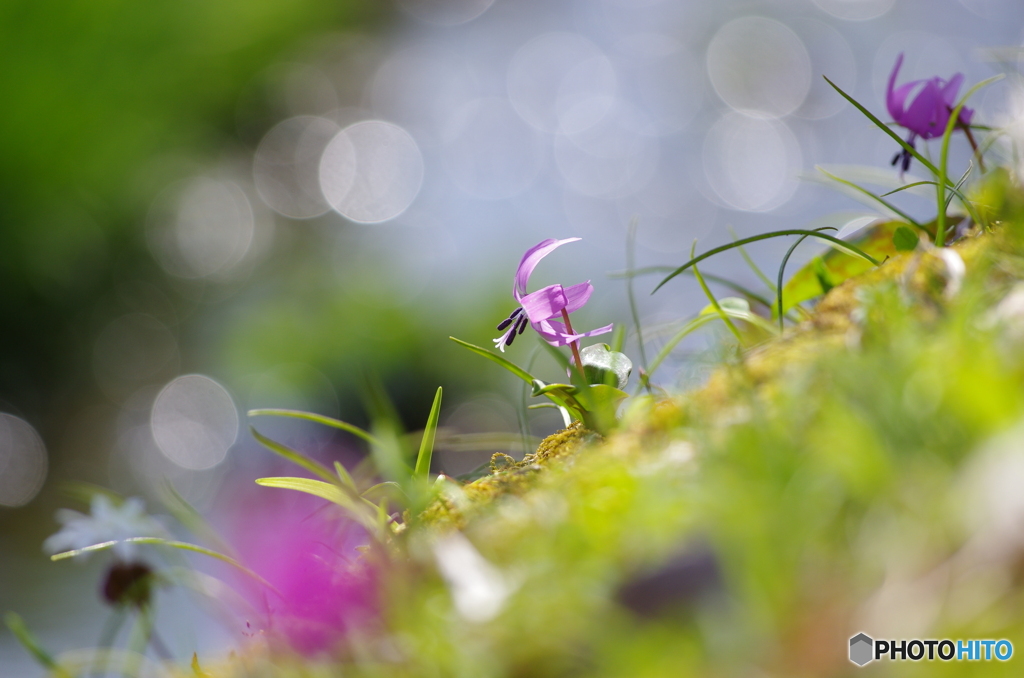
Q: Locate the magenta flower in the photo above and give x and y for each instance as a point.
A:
(928, 114)
(539, 309)
(324, 588)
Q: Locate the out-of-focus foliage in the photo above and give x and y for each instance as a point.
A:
(103, 102)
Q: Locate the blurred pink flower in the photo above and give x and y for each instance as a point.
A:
(928, 114)
(325, 586)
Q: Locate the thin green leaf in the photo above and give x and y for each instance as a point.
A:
(20, 630)
(329, 491)
(751, 264)
(888, 205)
(687, 329)
(764, 236)
(903, 188)
(391, 456)
(188, 516)
(711, 298)
(422, 468)
(954, 116)
(494, 357)
(881, 125)
(380, 488)
(630, 261)
(782, 272)
(710, 277)
(737, 308)
(318, 418)
(618, 338)
(378, 403)
(84, 492)
(159, 541)
(540, 388)
(955, 192)
(295, 457)
(562, 395)
(345, 477)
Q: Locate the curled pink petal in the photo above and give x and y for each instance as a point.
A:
(555, 333)
(895, 105)
(577, 296)
(544, 303)
(951, 89)
(530, 261)
(897, 99)
(600, 330)
(949, 93)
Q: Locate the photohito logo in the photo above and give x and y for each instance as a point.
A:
(864, 649)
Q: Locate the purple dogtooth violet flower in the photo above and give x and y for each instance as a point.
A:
(928, 114)
(539, 309)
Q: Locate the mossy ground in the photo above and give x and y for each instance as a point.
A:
(864, 472)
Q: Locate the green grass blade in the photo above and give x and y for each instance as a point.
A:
(711, 277)
(687, 329)
(291, 455)
(188, 516)
(892, 208)
(618, 338)
(954, 116)
(714, 302)
(329, 491)
(751, 264)
(345, 477)
(318, 418)
(494, 357)
(782, 272)
(903, 188)
(422, 469)
(159, 541)
(765, 236)
(631, 298)
(20, 630)
(954, 191)
(381, 487)
(885, 128)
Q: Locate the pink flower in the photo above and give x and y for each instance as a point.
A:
(324, 586)
(928, 114)
(538, 309)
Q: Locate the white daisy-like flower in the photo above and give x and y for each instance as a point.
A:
(106, 522)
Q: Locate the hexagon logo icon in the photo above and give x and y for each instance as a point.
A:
(861, 649)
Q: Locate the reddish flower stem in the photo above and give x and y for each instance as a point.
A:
(574, 345)
(974, 145)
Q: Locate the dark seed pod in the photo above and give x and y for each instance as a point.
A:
(128, 584)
